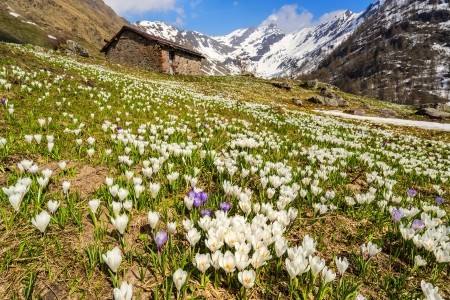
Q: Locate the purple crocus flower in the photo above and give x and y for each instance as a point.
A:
(439, 200)
(197, 202)
(397, 214)
(204, 197)
(205, 212)
(170, 100)
(384, 144)
(204, 124)
(225, 206)
(119, 128)
(3, 101)
(160, 239)
(417, 224)
(411, 193)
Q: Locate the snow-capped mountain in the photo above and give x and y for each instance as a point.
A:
(266, 51)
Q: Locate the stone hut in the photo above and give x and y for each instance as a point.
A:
(133, 47)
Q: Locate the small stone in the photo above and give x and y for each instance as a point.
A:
(298, 102)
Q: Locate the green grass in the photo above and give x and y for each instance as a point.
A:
(215, 114)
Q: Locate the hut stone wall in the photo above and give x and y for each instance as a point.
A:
(132, 49)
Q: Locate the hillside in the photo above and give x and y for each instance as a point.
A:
(40, 22)
(401, 54)
(212, 187)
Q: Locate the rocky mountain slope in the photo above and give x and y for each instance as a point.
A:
(85, 21)
(401, 54)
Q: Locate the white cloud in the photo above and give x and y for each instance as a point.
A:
(291, 18)
(122, 7)
(195, 3)
(178, 22)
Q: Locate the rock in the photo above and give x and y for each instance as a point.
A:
(282, 85)
(341, 101)
(437, 106)
(297, 101)
(387, 113)
(434, 113)
(366, 105)
(74, 48)
(356, 112)
(324, 101)
(327, 92)
(311, 84)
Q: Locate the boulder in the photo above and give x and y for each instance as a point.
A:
(311, 84)
(341, 101)
(75, 49)
(436, 106)
(327, 92)
(366, 105)
(324, 101)
(356, 112)
(434, 113)
(387, 113)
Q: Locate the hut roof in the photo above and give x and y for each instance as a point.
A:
(151, 38)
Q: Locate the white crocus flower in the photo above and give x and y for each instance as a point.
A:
(120, 223)
(41, 221)
(228, 262)
(124, 293)
(247, 278)
(154, 189)
(193, 236)
(47, 173)
(128, 205)
(42, 181)
(419, 261)
(65, 186)
(52, 206)
(188, 224)
(122, 194)
(341, 264)
(113, 259)
(172, 227)
(202, 262)
(93, 205)
(179, 278)
(109, 181)
(90, 152)
(62, 165)
(138, 189)
(327, 275)
(15, 200)
(116, 207)
(153, 218)
(317, 264)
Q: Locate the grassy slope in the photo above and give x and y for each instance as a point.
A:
(62, 261)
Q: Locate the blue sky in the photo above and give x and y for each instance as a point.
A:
(220, 17)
